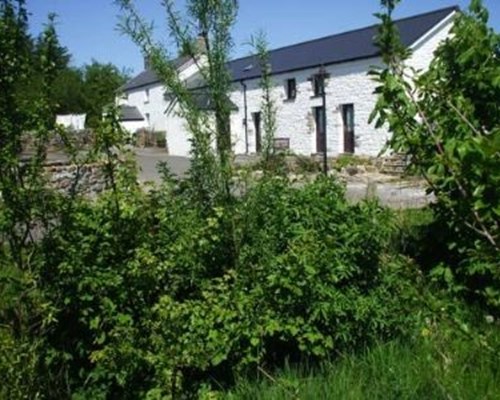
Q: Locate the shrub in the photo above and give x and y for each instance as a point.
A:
(348, 160)
(161, 139)
(310, 277)
(446, 120)
(305, 164)
(149, 294)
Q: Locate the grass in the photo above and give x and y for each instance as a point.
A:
(421, 370)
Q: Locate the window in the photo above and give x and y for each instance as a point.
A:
(146, 96)
(318, 85)
(148, 119)
(291, 89)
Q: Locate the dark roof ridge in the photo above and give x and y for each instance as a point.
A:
(451, 8)
(412, 28)
(148, 76)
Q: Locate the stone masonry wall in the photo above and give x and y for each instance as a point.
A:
(61, 176)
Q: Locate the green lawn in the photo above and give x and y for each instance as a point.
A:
(422, 370)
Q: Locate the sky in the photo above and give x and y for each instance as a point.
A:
(88, 28)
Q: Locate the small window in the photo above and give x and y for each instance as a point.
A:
(146, 96)
(148, 119)
(291, 89)
(318, 85)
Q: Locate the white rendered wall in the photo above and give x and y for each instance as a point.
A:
(423, 50)
(155, 107)
(178, 135)
(132, 126)
(348, 84)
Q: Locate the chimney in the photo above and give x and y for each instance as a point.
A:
(200, 45)
(147, 62)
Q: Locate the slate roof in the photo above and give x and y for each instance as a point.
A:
(201, 99)
(129, 113)
(349, 46)
(149, 77)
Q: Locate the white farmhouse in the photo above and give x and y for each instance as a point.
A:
(346, 58)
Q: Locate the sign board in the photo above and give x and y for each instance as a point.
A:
(281, 144)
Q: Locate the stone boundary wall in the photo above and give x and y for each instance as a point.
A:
(62, 174)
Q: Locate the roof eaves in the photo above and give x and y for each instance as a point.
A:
(181, 64)
(451, 10)
(143, 85)
(312, 66)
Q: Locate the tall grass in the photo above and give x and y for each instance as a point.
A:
(425, 369)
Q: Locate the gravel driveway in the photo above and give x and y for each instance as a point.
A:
(394, 194)
(149, 158)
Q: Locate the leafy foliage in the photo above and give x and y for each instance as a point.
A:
(211, 23)
(175, 291)
(100, 85)
(69, 89)
(269, 108)
(446, 120)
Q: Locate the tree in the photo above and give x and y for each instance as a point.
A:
(269, 108)
(68, 91)
(211, 22)
(15, 48)
(101, 82)
(48, 43)
(447, 120)
(50, 61)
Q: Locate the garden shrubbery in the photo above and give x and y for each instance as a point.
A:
(176, 292)
(155, 297)
(146, 294)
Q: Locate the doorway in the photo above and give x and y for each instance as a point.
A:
(348, 124)
(319, 118)
(258, 131)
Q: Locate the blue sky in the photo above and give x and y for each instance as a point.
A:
(88, 28)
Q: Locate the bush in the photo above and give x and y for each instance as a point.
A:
(160, 294)
(150, 294)
(446, 120)
(348, 160)
(305, 164)
(161, 139)
(310, 277)
(19, 366)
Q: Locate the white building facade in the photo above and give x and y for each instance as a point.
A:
(349, 92)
